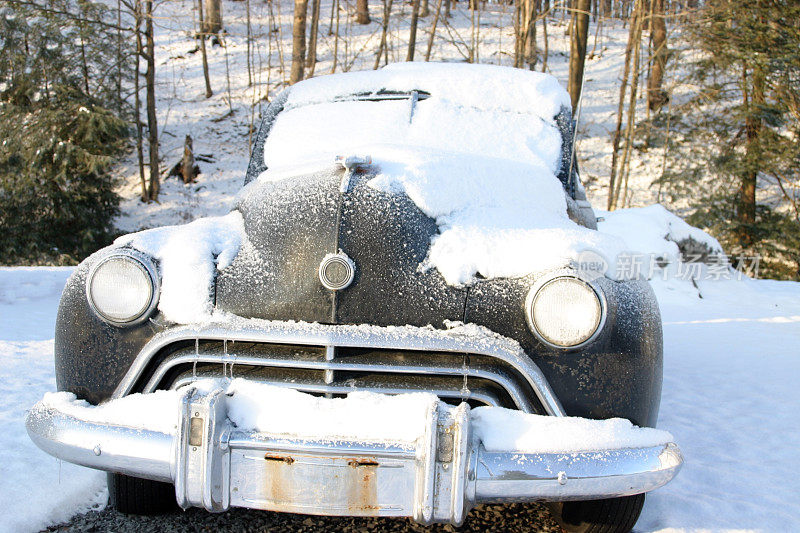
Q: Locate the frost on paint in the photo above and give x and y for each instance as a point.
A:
(189, 257)
(479, 155)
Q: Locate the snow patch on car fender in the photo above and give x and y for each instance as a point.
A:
(505, 429)
(189, 256)
(156, 411)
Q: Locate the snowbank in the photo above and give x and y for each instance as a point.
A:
(653, 230)
(36, 490)
(189, 257)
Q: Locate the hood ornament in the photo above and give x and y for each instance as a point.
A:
(337, 271)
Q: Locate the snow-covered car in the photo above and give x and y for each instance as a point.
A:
(417, 237)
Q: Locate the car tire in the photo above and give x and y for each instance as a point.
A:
(615, 515)
(132, 495)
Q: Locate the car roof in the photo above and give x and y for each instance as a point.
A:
(484, 87)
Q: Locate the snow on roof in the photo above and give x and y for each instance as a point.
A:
(480, 155)
(485, 87)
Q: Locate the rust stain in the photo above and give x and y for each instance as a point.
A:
(282, 458)
(362, 462)
(362, 486)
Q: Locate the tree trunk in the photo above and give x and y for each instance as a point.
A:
(362, 12)
(249, 45)
(424, 10)
(544, 37)
(311, 60)
(203, 53)
(214, 16)
(152, 119)
(137, 99)
(612, 180)
(577, 53)
(298, 41)
(529, 48)
(187, 163)
(747, 188)
(656, 95)
(383, 47)
(336, 38)
(433, 31)
(412, 36)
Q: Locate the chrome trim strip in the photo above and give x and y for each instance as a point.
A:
(507, 477)
(111, 447)
(406, 338)
(508, 385)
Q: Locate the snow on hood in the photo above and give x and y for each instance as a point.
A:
(497, 218)
(480, 156)
(189, 255)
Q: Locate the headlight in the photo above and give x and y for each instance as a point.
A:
(122, 288)
(565, 311)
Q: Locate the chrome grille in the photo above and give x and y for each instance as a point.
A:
(478, 379)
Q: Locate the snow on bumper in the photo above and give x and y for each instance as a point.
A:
(422, 459)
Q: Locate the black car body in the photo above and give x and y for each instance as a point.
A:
(291, 225)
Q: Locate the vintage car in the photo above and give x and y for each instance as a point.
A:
(416, 229)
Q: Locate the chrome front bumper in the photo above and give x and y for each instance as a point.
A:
(448, 470)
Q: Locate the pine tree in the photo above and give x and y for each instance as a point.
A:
(735, 145)
(62, 119)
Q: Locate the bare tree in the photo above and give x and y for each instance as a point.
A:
(362, 12)
(214, 16)
(656, 95)
(152, 119)
(412, 35)
(424, 10)
(525, 34)
(433, 31)
(577, 52)
(382, 47)
(203, 53)
(311, 56)
(138, 17)
(336, 39)
(618, 165)
(298, 41)
(249, 45)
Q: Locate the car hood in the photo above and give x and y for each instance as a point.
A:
(293, 223)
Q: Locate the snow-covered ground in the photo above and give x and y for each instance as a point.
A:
(36, 490)
(730, 399)
(184, 110)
